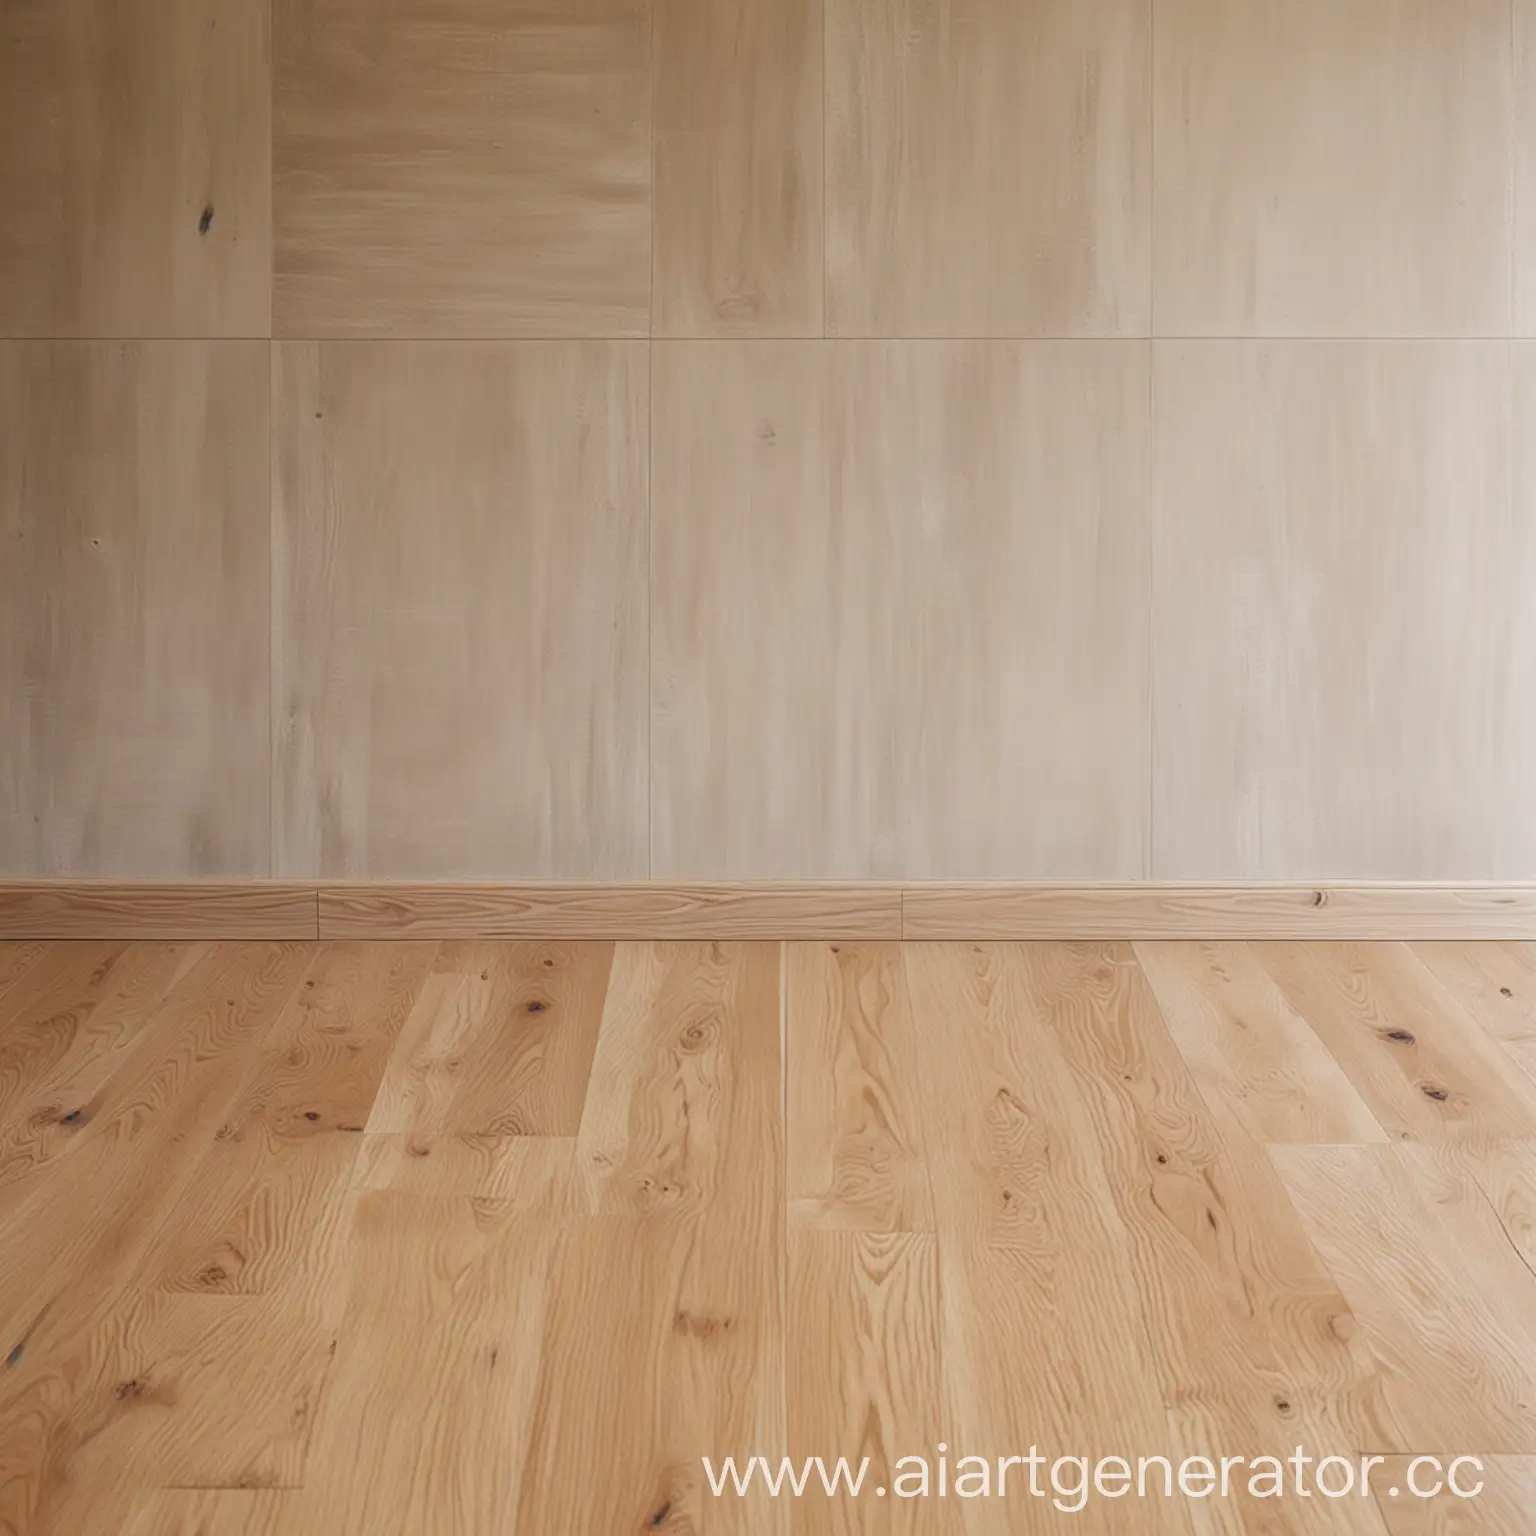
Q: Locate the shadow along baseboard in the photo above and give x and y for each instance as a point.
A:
(779, 910)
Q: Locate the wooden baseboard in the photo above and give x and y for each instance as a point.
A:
(783, 910)
(100, 909)
(618, 910)
(1261, 910)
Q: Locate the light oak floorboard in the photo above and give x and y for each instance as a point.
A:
(262, 1213)
(61, 1281)
(1250, 1050)
(532, 1171)
(17, 958)
(1505, 1507)
(1496, 985)
(1446, 1305)
(1037, 1292)
(1250, 1335)
(54, 1062)
(49, 999)
(863, 1374)
(679, 1271)
(852, 1085)
(345, 1239)
(525, 1072)
(212, 1512)
(462, 1278)
(1424, 1068)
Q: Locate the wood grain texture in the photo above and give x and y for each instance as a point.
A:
(464, 1279)
(17, 958)
(788, 910)
(504, 1049)
(135, 168)
(212, 1512)
(851, 1091)
(460, 614)
(1250, 1337)
(1026, 1223)
(262, 1216)
(692, 1308)
(145, 1130)
(193, 910)
(1506, 1506)
(67, 977)
(737, 215)
(532, 1171)
(1337, 555)
(41, 1021)
(1421, 1064)
(140, 1140)
(1505, 1171)
(422, 1078)
(1496, 985)
(1445, 1304)
(613, 910)
(224, 1311)
(204, 1391)
(763, 690)
(60, 1048)
(988, 168)
(1238, 910)
(1520, 637)
(133, 512)
(1524, 39)
(688, 1068)
(840, 534)
(862, 1374)
(1328, 170)
(461, 170)
(1249, 1049)
(679, 1267)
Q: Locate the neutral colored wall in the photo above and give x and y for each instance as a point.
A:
(1060, 439)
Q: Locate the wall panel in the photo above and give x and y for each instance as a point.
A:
(1332, 169)
(133, 609)
(988, 167)
(460, 619)
(1344, 662)
(466, 168)
(1524, 42)
(135, 168)
(738, 148)
(1089, 441)
(900, 610)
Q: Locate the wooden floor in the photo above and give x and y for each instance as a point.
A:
(505, 1237)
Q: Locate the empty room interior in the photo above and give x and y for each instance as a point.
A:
(767, 767)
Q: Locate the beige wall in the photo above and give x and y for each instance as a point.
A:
(1060, 439)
